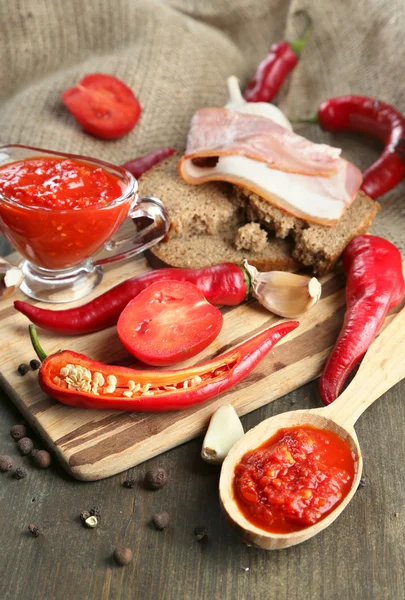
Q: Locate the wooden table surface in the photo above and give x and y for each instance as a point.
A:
(361, 556)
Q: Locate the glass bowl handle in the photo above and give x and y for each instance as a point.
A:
(149, 208)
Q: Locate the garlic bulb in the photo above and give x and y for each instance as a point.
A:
(224, 430)
(237, 103)
(10, 278)
(284, 294)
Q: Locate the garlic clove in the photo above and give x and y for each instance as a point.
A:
(224, 430)
(10, 278)
(237, 103)
(284, 294)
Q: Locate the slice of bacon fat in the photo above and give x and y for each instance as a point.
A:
(307, 180)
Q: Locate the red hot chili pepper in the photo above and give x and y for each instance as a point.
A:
(375, 284)
(274, 69)
(140, 165)
(224, 284)
(96, 385)
(376, 118)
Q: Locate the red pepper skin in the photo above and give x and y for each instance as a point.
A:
(224, 284)
(271, 73)
(375, 284)
(376, 118)
(140, 165)
(241, 361)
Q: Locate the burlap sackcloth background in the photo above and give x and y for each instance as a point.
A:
(176, 56)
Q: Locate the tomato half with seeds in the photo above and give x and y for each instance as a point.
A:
(103, 105)
(168, 322)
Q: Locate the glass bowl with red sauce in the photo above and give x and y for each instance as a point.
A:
(59, 210)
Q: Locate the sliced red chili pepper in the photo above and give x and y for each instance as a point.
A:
(375, 284)
(76, 380)
(225, 284)
(138, 166)
(103, 105)
(375, 118)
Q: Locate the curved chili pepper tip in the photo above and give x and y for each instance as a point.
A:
(40, 352)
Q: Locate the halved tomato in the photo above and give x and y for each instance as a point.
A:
(168, 322)
(103, 105)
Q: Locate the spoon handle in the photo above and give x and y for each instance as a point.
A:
(382, 367)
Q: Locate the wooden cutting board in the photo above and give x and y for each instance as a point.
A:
(93, 444)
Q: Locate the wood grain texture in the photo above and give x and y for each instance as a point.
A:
(93, 444)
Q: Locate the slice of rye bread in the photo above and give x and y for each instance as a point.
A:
(316, 246)
(205, 209)
(206, 250)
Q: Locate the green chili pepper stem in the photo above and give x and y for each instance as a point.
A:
(248, 282)
(298, 45)
(311, 121)
(35, 342)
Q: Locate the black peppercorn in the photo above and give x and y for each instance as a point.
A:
(200, 533)
(41, 458)
(122, 556)
(20, 473)
(25, 445)
(34, 530)
(155, 478)
(129, 483)
(95, 512)
(6, 464)
(161, 520)
(23, 369)
(18, 431)
(362, 482)
(84, 516)
(35, 364)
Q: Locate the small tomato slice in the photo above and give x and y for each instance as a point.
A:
(103, 105)
(168, 322)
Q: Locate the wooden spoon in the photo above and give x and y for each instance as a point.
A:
(382, 367)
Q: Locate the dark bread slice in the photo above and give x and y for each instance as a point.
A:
(205, 209)
(315, 246)
(206, 250)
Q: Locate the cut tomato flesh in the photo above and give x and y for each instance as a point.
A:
(168, 322)
(103, 105)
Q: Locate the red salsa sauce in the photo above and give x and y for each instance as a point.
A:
(65, 226)
(294, 479)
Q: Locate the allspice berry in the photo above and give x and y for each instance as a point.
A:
(35, 364)
(18, 431)
(25, 445)
(161, 520)
(122, 556)
(20, 473)
(155, 478)
(41, 458)
(23, 369)
(6, 464)
(34, 530)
